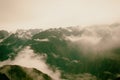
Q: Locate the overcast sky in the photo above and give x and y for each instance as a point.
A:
(57, 13)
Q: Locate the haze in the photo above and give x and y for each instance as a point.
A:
(15, 14)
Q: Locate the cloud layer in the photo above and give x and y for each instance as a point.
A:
(97, 39)
(28, 58)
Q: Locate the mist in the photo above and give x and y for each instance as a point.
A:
(27, 58)
(97, 39)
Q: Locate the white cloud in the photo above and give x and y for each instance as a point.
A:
(97, 38)
(42, 40)
(28, 58)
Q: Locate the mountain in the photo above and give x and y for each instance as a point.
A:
(3, 35)
(10, 46)
(27, 34)
(80, 53)
(64, 49)
(14, 72)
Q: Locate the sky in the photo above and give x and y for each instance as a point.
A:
(25, 14)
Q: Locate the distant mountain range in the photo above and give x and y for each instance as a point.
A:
(80, 53)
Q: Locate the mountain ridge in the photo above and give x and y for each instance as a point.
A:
(15, 72)
(90, 51)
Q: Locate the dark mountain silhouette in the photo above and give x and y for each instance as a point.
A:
(14, 72)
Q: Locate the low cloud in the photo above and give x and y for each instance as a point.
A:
(97, 39)
(102, 36)
(28, 58)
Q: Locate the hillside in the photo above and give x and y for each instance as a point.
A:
(14, 72)
(90, 53)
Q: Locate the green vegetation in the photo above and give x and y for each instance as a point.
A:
(15, 72)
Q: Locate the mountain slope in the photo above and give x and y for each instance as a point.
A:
(14, 72)
(77, 52)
